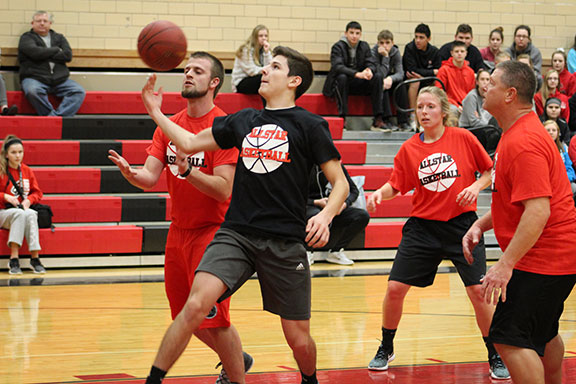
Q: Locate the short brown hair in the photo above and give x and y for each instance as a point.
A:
(519, 76)
(298, 65)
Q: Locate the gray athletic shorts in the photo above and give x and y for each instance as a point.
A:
(282, 268)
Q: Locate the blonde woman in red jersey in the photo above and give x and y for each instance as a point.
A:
(16, 215)
(440, 165)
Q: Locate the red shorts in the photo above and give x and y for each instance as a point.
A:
(184, 250)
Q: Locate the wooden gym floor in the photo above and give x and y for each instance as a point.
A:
(104, 326)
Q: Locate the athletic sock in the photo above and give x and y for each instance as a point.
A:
(156, 376)
(388, 338)
(489, 346)
(309, 379)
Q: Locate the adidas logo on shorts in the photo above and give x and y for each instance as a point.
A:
(300, 267)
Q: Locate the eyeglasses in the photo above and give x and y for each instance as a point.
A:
(522, 37)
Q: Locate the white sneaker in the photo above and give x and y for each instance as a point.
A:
(310, 257)
(338, 258)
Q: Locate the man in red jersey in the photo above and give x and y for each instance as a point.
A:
(534, 220)
(200, 186)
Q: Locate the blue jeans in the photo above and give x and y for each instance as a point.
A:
(37, 94)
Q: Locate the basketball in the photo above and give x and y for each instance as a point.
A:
(162, 45)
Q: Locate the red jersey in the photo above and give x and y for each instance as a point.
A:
(458, 81)
(527, 166)
(192, 208)
(28, 183)
(439, 171)
(564, 108)
(567, 83)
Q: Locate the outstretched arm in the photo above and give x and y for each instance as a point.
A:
(145, 177)
(318, 230)
(186, 141)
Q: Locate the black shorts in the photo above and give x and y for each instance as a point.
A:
(529, 317)
(282, 267)
(425, 243)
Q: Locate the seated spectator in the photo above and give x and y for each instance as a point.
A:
(473, 55)
(523, 44)
(43, 54)
(567, 84)
(473, 115)
(550, 89)
(490, 52)
(420, 60)
(553, 130)
(572, 58)
(501, 57)
(250, 58)
(5, 110)
(345, 226)
(15, 213)
(525, 58)
(552, 112)
(389, 64)
(353, 71)
(457, 76)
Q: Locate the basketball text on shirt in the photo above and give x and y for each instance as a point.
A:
(437, 172)
(196, 160)
(265, 148)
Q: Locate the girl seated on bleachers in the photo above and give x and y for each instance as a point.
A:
(550, 89)
(250, 58)
(553, 130)
(473, 115)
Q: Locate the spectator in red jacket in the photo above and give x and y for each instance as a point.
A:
(567, 84)
(16, 214)
(550, 89)
(457, 76)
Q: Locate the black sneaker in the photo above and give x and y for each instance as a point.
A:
(223, 377)
(10, 111)
(382, 358)
(498, 370)
(14, 267)
(37, 266)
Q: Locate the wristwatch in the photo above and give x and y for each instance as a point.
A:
(185, 174)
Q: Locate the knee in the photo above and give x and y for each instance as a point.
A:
(475, 293)
(34, 92)
(194, 309)
(300, 344)
(342, 80)
(396, 291)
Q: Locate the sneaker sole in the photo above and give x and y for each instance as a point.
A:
(38, 273)
(333, 261)
(492, 375)
(390, 359)
(14, 273)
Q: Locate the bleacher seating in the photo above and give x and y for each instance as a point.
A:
(98, 213)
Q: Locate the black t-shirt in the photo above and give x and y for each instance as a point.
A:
(277, 151)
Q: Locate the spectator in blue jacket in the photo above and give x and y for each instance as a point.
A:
(43, 54)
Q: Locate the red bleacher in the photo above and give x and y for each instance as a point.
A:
(92, 202)
(111, 103)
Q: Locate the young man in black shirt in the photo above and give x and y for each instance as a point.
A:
(473, 55)
(420, 60)
(353, 72)
(265, 228)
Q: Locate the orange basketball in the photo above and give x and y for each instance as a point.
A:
(162, 45)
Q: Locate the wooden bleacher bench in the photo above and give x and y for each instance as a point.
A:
(129, 59)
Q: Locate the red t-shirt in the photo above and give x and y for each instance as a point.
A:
(29, 182)
(526, 166)
(192, 208)
(439, 171)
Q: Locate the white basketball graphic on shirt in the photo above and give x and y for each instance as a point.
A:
(197, 160)
(438, 172)
(265, 149)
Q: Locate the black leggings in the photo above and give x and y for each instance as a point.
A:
(344, 227)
